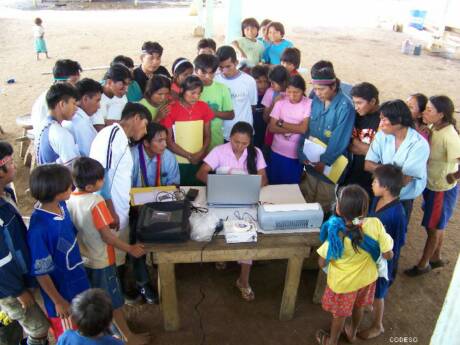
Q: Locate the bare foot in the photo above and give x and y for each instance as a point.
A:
(368, 308)
(139, 339)
(351, 337)
(371, 333)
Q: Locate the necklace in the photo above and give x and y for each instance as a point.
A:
(188, 109)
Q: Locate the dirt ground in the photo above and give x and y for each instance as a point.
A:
(359, 54)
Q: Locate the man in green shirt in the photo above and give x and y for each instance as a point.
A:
(217, 96)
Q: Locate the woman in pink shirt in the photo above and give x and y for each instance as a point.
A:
(288, 120)
(238, 156)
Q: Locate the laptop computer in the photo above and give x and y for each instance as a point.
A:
(233, 190)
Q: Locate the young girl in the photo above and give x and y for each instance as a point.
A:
(264, 30)
(288, 120)
(190, 118)
(181, 69)
(39, 34)
(440, 194)
(156, 97)
(250, 49)
(417, 103)
(272, 53)
(237, 156)
(352, 245)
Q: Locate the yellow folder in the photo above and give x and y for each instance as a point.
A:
(189, 136)
(143, 195)
(333, 172)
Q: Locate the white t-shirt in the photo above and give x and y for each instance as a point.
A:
(243, 89)
(82, 130)
(111, 149)
(38, 31)
(39, 113)
(110, 109)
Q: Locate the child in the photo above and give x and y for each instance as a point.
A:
(441, 192)
(387, 184)
(206, 46)
(251, 50)
(150, 64)
(92, 313)
(92, 218)
(272, 53)
(242, 88)
(80, 126)
(417, 103)
(16, 300)
(216, 94)
(54, 251)
(116, 82)
(352, 244)
(156, 97)
(181, 69)
(39, 34)
(264, 30)
(55, 144)
(134, 93)
(189, 109)
(290, 59)
(260, 74)
(288, 120)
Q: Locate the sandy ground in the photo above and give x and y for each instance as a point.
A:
(368, 53)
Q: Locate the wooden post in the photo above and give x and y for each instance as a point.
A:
(209, 25)
(168, 298)
(233, 30)
(291, 284)
(321, 281)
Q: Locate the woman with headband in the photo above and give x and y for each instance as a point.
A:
(331, 121)
(181, 69)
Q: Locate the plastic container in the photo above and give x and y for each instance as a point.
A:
(418, 19)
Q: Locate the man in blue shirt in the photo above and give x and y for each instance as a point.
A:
(331, 121)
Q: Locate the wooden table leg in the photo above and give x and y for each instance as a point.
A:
(321, 281)
(22, 144)
(168, 299)
(291, 285)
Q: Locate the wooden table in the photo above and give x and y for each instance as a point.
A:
(295, 247)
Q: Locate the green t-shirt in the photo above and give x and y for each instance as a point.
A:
(151, 108)
(253, 50)
(134, 93)
(218, 97)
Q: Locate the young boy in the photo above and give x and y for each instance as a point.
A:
(387, 184)
(92, 313)
(243, 88)
(15, 298)
(260, 74)
(55, 144)
(55, 254)
(272, 53)
(206, 46)
(80, 126)
(92, 219)
(134, 93)
(150, 64)
(250, 49)
(64, 71)
(216, 94)
(290, 59)
(113, 98)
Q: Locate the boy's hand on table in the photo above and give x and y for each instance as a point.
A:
(62, 309)
(26, 299)
(137, 250)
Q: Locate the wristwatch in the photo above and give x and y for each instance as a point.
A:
(279, 123)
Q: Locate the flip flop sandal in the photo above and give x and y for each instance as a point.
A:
(416, 271)
(322, 337)
(439, 263)
(246, 293)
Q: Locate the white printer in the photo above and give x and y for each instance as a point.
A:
(290, 216)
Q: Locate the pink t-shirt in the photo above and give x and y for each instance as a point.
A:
(286, 144)
(267, 100)
(222, 157)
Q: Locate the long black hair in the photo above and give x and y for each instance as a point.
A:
(444, 105)
(251, 160)
(353, 204)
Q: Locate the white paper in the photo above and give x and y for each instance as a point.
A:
(281, 194)
(313, 151)
(291, 207)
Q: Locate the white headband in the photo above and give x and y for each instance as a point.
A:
(178, 64)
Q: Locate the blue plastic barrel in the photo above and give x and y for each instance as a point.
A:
(418, 19)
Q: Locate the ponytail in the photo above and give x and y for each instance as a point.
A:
(355, 234)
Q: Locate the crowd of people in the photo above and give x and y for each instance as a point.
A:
(239, 109)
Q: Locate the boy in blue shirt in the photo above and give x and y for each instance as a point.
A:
(15, 298)
(54, 251)
(386, 186)
(92, 313)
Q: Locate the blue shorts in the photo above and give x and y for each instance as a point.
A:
(381, 288)
(107, 279)
(284, 170)
(438, 207)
